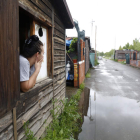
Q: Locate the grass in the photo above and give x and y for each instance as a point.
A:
(65, 125)
(88, 74)
(107, 57)
(96, 62)
(123, 62)
(116, 60)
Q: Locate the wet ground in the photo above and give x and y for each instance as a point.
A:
(110, 104)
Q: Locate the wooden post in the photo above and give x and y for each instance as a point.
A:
(14, 123)
(53, 50)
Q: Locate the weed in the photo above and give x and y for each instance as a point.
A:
(96, 62)
(28, 133)
(65, 125)
(88, 74)
(123, 62)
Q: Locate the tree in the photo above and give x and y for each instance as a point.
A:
(120, 48)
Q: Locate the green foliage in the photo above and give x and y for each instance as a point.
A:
(100, 53)
(134, 46)
(96, 62)
(28, 133)
(123, 62)
(88, 74)
(73, 45)
(116, 60)
(120, 48)
(108, 54)
(82, 86)
(65, 125)
(75, 57)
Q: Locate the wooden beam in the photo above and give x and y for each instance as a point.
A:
(53, 50)
(15, 123)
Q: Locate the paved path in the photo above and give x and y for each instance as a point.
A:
(114, 107)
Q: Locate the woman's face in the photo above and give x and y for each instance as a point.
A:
(40, 55)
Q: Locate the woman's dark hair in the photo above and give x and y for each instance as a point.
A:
(32, 45)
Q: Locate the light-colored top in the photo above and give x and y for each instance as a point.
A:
(25, 70)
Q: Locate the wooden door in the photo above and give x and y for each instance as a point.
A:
(9, 55)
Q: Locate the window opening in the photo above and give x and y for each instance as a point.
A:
(43, 71)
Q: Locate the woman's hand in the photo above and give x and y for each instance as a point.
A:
(38, 64)
(26, 85)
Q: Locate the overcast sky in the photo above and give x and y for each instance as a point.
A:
(118, 19)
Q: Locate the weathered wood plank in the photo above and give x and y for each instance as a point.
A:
(59, 34)
(58, 88)
(59, 58)
(44, 8)
(40, 116)
(57, 45)
(58, 85)
(57, 96)
(37, 125)
(59, 63)
(59, 103)
(58, 71)
(59, 77)
(7, 134)
(59, 82)
(59, 40)
(43, 128)
(59, 67)
(58, 21)
(48, 4)
(9, 55)
(61, 52)
(31, 98)
(34, 10)
(59, 28)
(45, 100)
(5, 121)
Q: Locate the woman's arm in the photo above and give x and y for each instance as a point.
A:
(26, 85)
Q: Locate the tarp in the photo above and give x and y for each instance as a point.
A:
(68, 42)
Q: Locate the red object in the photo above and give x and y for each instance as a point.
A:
(74, 60)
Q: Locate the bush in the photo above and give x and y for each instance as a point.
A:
(73, 45)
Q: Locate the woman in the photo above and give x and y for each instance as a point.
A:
(30, 62)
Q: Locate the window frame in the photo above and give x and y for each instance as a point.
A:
(32, 32)
(33, 20)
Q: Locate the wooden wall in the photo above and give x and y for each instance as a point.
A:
(9, 55)
(35, 105)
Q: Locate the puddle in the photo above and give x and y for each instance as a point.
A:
(109, 117)
(105, 72)
(120, 77)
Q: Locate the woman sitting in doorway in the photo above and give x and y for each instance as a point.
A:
(30, 62)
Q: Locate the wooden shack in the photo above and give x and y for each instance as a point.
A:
(120, 55)
(18, 20)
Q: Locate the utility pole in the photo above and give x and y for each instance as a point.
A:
(91, 31)
(95, 40)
